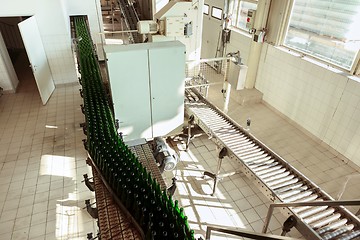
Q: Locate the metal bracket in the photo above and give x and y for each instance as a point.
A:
(82, 108)
(88, 183)
(84, 128)
(288, 224)
(172, 188)
(85, 144)
(92, 211)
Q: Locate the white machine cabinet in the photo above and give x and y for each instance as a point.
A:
(147, 87)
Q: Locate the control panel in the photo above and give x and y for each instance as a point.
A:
(250, 19)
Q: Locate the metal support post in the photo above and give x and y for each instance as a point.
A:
(226, 91)
(216, 176)
(190, 122)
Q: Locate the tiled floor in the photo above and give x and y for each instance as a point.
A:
(41, 165)
(42, 162)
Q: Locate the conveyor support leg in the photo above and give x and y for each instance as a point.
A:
(288, 224)
(190, 122)
(215, 176)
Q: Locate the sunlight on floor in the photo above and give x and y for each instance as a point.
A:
(194, 194)
(58, 166)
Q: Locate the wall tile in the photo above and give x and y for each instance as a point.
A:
(322, 101)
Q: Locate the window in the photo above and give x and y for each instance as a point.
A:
(239, 10)
(160, 4)
(206, 9)
(328, 30)
(216, 13)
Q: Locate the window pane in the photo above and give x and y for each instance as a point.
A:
(160, 4)
(233, 9)
(206, 9)
(240, 20)
(326, 29)
(216, 12)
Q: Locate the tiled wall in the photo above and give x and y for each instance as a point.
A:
(324, 102)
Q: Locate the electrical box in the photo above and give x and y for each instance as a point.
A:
(147, 87)
(188, 29)
(174, 26)
(250, 19)
(146, 27)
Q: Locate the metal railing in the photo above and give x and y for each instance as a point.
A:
(212, 71)
(306, 204)
(243, 233)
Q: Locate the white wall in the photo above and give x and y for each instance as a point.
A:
(211, 31)
(8, 78)
(92, 9)
(53, 22)
(324, 102)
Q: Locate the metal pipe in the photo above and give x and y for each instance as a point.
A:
(310, 204)
(211, 60)
(203, 85)
(111, 32)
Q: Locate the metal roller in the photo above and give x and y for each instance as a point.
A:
(250, 160)
(331, 227)
(266, 160)
(285, 181)
(324, 221)
(290, 187)
(320, 215)
(349, 236)
(338, 232)
(293, 191)
(265, 175)
(263, 167)
(312, 211)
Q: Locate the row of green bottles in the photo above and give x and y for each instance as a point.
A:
(153, 209)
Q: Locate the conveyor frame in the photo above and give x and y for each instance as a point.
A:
(307, 231)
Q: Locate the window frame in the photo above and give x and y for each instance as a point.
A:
(355, 67)
(208, 9)
(235, 18)
(212, 12)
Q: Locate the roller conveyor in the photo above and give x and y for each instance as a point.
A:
(131, 18)
(275, 177)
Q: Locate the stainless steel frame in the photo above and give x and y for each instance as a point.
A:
(243, 233)
(309, 204)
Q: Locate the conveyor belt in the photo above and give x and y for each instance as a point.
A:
(145, 156)
(131, 18)
(113, 223)
(275, 177)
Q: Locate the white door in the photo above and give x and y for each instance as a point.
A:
(37, 57)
